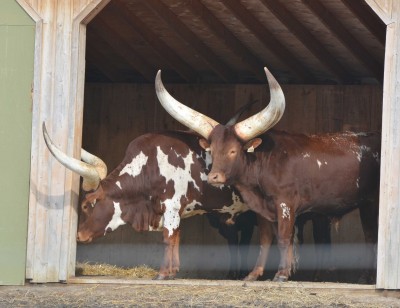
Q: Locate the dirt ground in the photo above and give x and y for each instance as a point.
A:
(194, 293)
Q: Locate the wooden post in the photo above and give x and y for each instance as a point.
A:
(58, 101)
(388, 266)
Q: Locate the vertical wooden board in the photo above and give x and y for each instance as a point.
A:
(376, 108)
(388, 271)
(16, 75)
(357, 113)
(140, 112)
(329, 110)
(245, 94)
(300, 109)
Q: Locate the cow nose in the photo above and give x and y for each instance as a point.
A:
(216, 178)
(82, 239)
(78, 237)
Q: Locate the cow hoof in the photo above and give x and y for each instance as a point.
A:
(161, 277)
(280, 279)
(250, 278)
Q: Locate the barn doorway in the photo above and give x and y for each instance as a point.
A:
(129, 40)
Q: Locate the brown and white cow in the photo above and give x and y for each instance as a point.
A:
(162, 178)
(282, 175)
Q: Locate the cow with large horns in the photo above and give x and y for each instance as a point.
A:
(281, 175)
(162, 178)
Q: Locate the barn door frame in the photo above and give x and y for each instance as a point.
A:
(58, 91)
(388, 262)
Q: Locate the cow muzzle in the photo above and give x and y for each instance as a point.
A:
(81, 237)
(216, 178)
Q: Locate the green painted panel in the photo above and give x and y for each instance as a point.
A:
(11, 14)
(17, 33)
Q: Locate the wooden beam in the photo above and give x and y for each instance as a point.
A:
(307, 38)
(214, 62)
(348, 40)
(368, 18)
(124, 48)
(96, 54)
(268, 39)
(230, 40)
(382, 8)
(118, 9)
(388, 265)
(58, 100)
(367, 290)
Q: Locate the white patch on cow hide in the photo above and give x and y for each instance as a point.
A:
(134, 168)
(181, 178)
(236, 207)
(358, 182)
(118, 183)
(362, 149)
(285, 210)
(306, 155)
(319, 164)
(208, 160)
(190, 210)
(116, 219)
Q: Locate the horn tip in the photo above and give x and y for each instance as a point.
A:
(44, 128)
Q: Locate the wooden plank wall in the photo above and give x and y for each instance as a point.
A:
(114, 114)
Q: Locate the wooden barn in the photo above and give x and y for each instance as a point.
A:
(87, 69)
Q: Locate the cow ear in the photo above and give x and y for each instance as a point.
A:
(252, 144)
(204, 144)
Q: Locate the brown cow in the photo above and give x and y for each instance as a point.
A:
(282, 175)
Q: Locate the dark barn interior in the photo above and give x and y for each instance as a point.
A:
(327, 54)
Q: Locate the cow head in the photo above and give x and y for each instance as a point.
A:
(228, 143)
(97, 209)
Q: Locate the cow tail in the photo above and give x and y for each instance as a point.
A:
(295, 246)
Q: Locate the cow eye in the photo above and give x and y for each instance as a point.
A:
(232, 152)
(84, 207)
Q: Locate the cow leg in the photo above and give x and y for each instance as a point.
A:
(170, 264)
(246, 228)
(285, 234)
(266, 236)
(175, 255)
(369, 222)
(322, 240)
(231, 235)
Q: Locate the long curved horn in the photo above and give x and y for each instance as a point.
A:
(91, 178)
(96, 162)
(266, 118)
(192, 119)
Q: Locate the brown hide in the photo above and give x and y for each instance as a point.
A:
(289, 174)
(147, 183)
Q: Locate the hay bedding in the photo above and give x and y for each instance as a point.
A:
(74, 295)
(100, 269)
(164, 295)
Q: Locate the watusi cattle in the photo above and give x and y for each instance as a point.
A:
(162, 178)
(281, 175)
